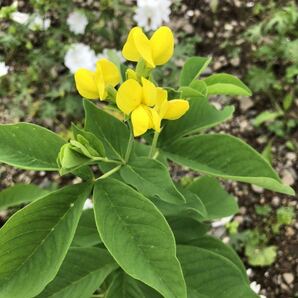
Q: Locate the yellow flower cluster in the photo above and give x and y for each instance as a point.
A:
(138, 97)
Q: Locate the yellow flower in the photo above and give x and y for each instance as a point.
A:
(148, 105)
(170, 110)
(93, 84)
(138, 100)
(155, 51)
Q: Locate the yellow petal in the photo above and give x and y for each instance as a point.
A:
(155, 119)
(129, 50)
(149, 93)
(85, 83)
(161, 102)
(176, 109)
(141, 120)
(101, 86)
(110, 72)
(129, 96)
(162, 45)
(143, 46)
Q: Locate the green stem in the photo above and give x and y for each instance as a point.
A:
(130, 143)
(154, 143)
(109, 173)
(107, 160)
(112, 92)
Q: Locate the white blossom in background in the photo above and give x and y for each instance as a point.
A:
(37, 22)
(77, 22)
(20, 17)
(3, 69)
(256, 288)
(150, 14)
(222, 222)
(106, 53)
(80, 55)
(88, 204)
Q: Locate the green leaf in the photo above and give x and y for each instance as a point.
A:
(216, 200)
(89, 140)
(125, 287)
(86, 233)
(29, 146)
(261, 256)
(227, 157)
(209, 274)
(266, 116)
(144, 246)
(195, 89)
(109, 130)
(186, 229)
(19, 194)
(151, 178)
(201, 115)
(142, 150)
(35, 240)
(81, 273)
(192, 208)
(69, 160)
(226, 84)
(217, 246)
(192, 68)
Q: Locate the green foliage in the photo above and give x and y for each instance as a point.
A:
(35, 241)
(257, 251)
(151, 178)
(81, 273)
(256, 242)
(20, 194)
(146, 235)
(192, 69)
(211, 154)
(284, 216)
(26, 146)
(274, 43)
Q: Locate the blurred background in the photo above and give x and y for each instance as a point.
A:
(43, 42)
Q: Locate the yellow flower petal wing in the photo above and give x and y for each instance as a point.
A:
(176, 109)
(162, 45)
(129, 50)
(149, 93)
(110, 72)
(129, 96)
(143, 47)
(155, 119)
(161, 102)
(86, 84)
(141, 120)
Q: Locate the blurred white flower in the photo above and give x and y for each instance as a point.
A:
(20, 17)
(150, 14)
(108, 53)
(3, 69)
(77, 22)
(37, 22)
(256, 288)
(80, 55)
(88, 204)
(221, 222)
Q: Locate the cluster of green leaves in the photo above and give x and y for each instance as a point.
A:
(146, 236)
(274, 42)
(255, 243)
